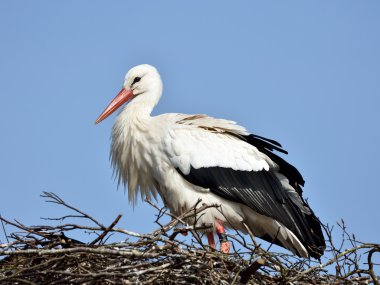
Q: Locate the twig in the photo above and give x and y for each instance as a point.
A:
(4, 231)
(370, 265)
(57, 200)
(105, 232)
(247, 273)
(331, 261)
(102, 251)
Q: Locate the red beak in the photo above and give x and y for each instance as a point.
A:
(123, 96)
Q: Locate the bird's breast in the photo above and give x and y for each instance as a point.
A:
(133, 156)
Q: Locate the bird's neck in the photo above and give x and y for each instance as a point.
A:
(136, 112)
(134, 120)
(141, 107)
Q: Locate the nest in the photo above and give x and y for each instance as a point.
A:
(47, 255)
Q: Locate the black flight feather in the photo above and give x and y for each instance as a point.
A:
(262, 192)
(294, 176)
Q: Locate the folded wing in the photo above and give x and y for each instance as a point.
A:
(242, 168)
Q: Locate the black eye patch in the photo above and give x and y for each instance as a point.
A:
(137, 79)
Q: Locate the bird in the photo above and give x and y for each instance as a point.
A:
(189, 158)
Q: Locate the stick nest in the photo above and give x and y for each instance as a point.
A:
(47, 255)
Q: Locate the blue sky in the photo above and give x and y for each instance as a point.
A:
(305, 73)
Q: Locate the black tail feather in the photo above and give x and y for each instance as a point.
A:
(314, 242)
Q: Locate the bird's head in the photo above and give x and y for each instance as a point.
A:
(142, 85)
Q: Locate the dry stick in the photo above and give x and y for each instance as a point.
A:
(191, 213)
(105, 251)
(251, 235)
(247, 273)
(25, 228)
(69, 227)
(331, 261)
(5, 232)
(278, 231)
(63, 218)
(276, 263)
(334, 250)
(370, 265)
(57, 200)
(176, 220)
(105, 232)
(188, 229)
(196, 218)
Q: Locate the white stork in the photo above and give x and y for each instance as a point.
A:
(184, 158)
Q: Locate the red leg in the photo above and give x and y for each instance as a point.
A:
(211, 241)
(224, 243)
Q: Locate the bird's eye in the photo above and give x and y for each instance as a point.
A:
(137, 79)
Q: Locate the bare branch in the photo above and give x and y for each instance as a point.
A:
(99, 238)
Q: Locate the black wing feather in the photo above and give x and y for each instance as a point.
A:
(294, 176)
(237, 186)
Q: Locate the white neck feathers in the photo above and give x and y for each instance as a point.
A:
(130, 149)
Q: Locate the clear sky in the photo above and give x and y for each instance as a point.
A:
(306, 73)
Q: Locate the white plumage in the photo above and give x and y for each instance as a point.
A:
(176, 155)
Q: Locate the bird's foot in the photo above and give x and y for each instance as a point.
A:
(225, 245)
